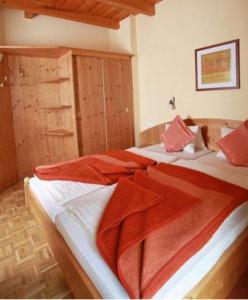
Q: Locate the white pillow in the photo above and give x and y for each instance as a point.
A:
(198, 143)
(223, 132)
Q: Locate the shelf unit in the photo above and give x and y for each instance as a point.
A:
(59, 80)
(59, 132)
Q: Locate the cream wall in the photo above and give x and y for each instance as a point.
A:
(43, 30)
(166, 45)
(120, 40)
(2, 33)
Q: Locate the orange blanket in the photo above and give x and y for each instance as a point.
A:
(155, 223)
(98, 168)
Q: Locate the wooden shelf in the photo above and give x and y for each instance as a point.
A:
(56, 107)
(59, 132)
(59, 80)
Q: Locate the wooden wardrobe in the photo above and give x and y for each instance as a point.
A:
(62, 103)
(105, 107)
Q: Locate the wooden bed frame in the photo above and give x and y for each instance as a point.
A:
(210, 131)
(216, 284)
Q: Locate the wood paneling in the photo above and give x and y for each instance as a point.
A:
(8, 162)
(210, 130)
(91, 105)
(31, 121)
(118, 99)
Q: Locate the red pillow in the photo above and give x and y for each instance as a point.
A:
(177, 136)
(235, 146)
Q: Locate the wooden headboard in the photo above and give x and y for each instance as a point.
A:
(210, 131)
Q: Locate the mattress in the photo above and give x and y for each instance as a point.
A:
(78, 225)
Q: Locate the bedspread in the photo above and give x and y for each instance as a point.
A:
(155, 222)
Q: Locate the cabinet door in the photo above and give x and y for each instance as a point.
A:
(118, 102)
(91, 109)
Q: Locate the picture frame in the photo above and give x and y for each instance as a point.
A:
(217, 67)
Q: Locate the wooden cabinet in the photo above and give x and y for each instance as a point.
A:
(59, 103)
(105, 117)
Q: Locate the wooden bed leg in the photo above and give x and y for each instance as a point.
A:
(26, 189)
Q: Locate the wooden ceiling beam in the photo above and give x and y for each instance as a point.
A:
(27, 5)
(134, 6)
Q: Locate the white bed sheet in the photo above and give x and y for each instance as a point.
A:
(53, 195)
(79, 222)
(219, 168)
(155, 153)
(159, 150)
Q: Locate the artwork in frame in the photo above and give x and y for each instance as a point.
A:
(218, 67)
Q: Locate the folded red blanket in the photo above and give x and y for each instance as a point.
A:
(126, 156)
(155, 223)
(98, 169)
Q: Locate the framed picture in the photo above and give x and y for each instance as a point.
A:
(217, 67)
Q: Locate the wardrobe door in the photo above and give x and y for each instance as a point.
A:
(119, 102)
(91, 108)
(8, 161)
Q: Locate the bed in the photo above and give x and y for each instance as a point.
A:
(78, 269)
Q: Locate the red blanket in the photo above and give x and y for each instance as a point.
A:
(155, 223)
(99, 168)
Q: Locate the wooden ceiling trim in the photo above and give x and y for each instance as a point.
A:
(134, 6)
(94, 53)
(46, 52)
(68, 15)
(56, 52)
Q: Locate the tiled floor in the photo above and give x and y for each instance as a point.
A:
(28, 268)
